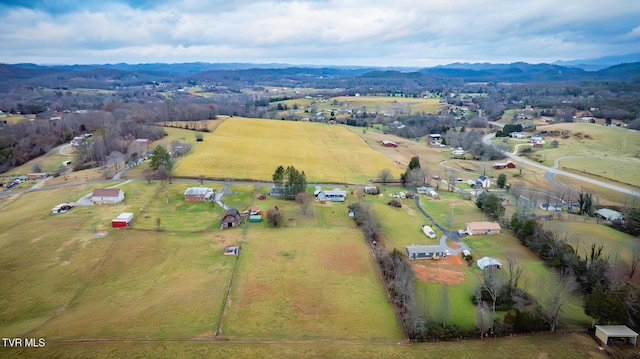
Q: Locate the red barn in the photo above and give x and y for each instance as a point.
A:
(503, 165)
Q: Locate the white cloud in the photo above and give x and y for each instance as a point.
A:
(400, 32)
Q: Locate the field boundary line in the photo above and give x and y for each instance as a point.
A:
(223, 308)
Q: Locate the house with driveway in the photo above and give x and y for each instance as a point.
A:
(426, 252)
(107, 195)
(480, 228)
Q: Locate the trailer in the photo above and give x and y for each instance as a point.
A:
(428, 231)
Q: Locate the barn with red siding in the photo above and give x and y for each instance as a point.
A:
(503, 165)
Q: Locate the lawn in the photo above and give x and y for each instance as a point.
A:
(385, 104)
(299, 283)
(254, 148)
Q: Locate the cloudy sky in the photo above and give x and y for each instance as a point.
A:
(317, 32)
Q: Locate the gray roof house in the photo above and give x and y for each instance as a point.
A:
(426, 252)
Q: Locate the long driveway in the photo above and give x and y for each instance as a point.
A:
(446, 233)
(487, 140)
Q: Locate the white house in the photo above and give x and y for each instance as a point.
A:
(107, 195)
(517, 135)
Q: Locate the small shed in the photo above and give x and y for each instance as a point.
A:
(231, 218)
(255, 218)
(387, 143)
(371, 190)
(607, 332)
(39, 175)
(609, 214)
(488, 262)
(122, 220)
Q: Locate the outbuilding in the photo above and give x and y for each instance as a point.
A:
(231, 218)
(606, 333)
(479, 228)
(199, 194)
(107, 195)
(123, 220)
(503, 165)
(387, 143)
(488, 263)
(609, 215)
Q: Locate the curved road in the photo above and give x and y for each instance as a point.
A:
(551, 171)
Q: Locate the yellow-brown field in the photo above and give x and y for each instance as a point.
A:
(254, 148)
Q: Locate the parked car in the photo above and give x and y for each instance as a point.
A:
(462, 232)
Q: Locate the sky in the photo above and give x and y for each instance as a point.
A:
(416, 33)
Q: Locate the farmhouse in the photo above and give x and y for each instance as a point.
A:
(517, 135)
(231, 219)
(334, 195)
(123, 220)
(457, 152)
(478, 228)
(605, 333)
(426, 252)
(424, 189)
(387, 143)
(107, 195)
(199, 194)
(503, 165)
(609, 215)
(489, 263)
(434, 137)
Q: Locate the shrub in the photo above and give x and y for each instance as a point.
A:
(395, 203)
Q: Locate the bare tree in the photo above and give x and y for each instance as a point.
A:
(554, 297)
(385, 175)
(158, 221)
(304, 199)
(514, 272)
(148, 174)
(115, 159)
(635, 259)
(491, 283)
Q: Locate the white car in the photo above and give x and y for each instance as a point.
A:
(462, 232)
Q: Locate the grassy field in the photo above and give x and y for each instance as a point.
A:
(254, 148)
(64, 283)
(299, 283)
(571, 346)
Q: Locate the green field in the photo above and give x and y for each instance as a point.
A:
(254, 148)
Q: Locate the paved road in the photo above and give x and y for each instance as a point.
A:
(487, 140)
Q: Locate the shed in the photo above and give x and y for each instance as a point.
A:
(424, 189)
(387, 143)
(488, 262)
(371, 190)
(231, 218)
(425, 252)
(107, 195)
(199, 194)
(122, 220)
(478, 228)
(38, 175)
(255, 218)
(607, 332)
(334, 195)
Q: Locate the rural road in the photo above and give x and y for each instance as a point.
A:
(552, 171)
